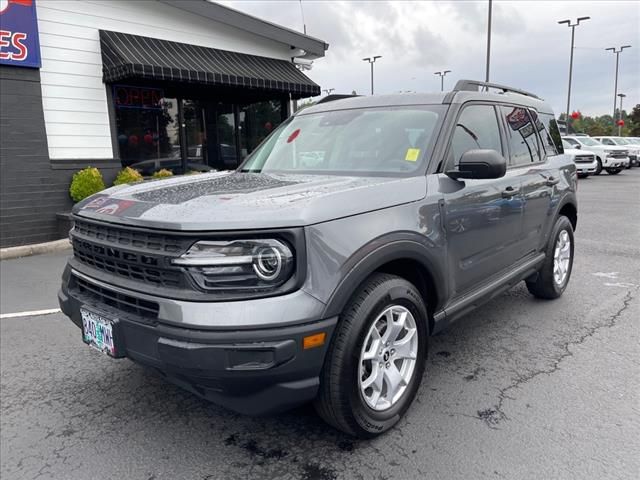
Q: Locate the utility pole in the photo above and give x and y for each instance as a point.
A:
(486, 79)
(573, 32)
(442, 75)
(371, 61)
(615, 88)
(621, 95)
(328, 90)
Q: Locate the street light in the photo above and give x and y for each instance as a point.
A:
(442, 75)
(615, 88)
(621, 95)
(371, 61)
(328, 90)
(573, 31)
(486, 78)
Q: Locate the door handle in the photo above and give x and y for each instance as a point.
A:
(509, 192)
(550, 181)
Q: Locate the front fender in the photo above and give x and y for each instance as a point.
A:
(394, 246)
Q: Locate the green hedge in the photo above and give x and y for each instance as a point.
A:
(85, 183)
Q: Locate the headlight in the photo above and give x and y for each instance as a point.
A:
(239, 265)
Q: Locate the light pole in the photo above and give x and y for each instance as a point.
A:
(371, 61)
(328, 90)
(442, 75)
(621, 95)
(615, 88)
(573, 31)
(486, 79)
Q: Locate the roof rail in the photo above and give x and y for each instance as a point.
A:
(337, 96)
(474, 86)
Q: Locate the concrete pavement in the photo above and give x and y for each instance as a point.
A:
(521, 388)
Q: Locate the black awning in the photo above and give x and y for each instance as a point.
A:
(127, 56)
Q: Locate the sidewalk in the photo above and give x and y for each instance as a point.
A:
(31, 283)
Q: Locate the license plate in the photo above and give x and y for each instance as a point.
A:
(97, 331)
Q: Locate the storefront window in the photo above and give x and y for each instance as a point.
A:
(256, 122)
(150, 135)
(195, 135)
(147, 128)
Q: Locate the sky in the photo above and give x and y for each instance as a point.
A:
(529, 49)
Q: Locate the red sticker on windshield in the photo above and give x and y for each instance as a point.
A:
(293, 136)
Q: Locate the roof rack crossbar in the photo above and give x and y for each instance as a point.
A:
(475, 85)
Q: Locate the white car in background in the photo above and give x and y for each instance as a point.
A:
(626, 142)
(610, 158)
(585, 160)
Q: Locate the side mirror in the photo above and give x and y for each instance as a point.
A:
(480, 164)
(578, 146)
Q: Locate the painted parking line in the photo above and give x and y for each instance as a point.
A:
(32, 313)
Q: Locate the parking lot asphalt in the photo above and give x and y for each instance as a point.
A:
(521, 388)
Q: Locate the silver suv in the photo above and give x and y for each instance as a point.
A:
(318, 270)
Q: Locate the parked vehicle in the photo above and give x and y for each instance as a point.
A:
(632, 146)
(279, 283)
(585, 160)
(611, 158)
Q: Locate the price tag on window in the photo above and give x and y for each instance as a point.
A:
(412, 154)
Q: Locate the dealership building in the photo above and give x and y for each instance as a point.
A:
(186, 85)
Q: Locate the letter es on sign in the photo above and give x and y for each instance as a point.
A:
(19, 43)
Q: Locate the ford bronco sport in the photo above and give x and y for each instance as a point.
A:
(318, 269)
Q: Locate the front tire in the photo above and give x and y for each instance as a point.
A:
(599, 167)
(376, 359)
(552, 279)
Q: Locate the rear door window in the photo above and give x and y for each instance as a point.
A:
(521, 136)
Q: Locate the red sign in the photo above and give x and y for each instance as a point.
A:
(137, 97)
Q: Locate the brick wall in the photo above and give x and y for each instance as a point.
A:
(32, 188)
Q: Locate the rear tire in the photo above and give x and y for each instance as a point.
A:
(552, 279)
(613, 171)
(599, 167)
(344, 400)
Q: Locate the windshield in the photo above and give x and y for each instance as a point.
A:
(367, 141)
(566, 144)
(588, 141)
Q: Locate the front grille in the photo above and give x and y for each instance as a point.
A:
(123, 237)
(135, 266)
(105, 296)
(130, 253)
(619, 154)
(584, 158)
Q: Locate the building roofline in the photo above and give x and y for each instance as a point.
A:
(313, 47)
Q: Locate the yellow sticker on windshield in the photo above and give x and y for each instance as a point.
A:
(412, 154)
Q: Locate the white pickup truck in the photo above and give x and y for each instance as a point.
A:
(613, 158)
(585, 160)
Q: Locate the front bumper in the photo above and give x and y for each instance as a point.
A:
(585, 168)
(253, 371)
(616, 162)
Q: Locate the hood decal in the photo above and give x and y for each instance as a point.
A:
(234, 184)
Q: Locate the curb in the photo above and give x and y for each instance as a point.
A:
(35, 249)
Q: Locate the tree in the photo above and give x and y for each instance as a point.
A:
(634, 121)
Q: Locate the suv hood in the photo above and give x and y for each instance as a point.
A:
(233, 200)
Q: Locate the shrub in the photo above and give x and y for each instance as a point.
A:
(162, 173)
(85, 183)
(127, 175)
